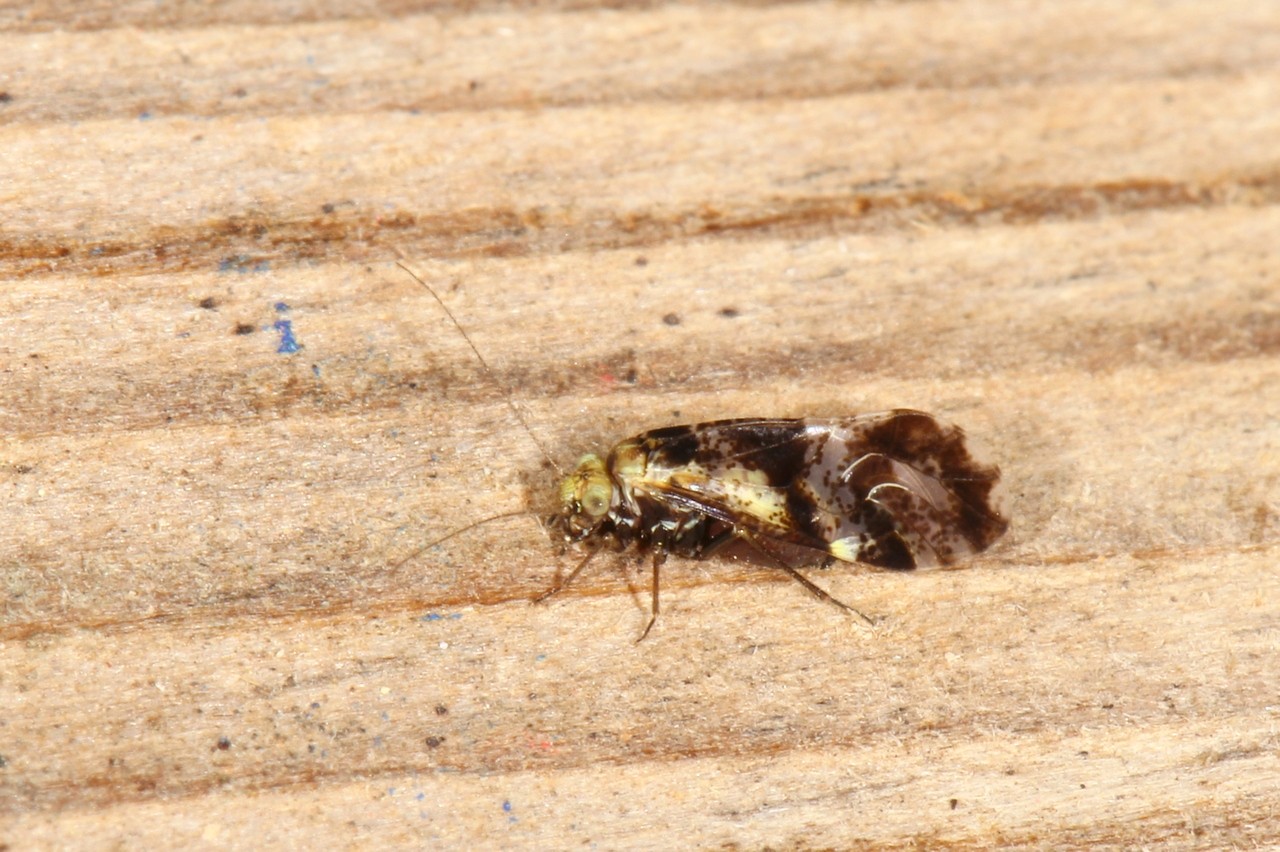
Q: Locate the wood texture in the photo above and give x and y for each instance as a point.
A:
(1053, 223)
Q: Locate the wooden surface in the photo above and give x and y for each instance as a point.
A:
(1053, 223)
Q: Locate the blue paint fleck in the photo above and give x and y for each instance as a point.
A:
(243, 264)
(282, 307)
(506, 806)
(145, 115)
(421, 797)
(315, 370)
(288, 343)
(435, 616)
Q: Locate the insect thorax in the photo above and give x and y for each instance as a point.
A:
(599, 500)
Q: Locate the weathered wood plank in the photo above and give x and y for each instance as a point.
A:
(1052, 223)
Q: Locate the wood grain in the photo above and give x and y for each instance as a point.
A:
(1053, 223)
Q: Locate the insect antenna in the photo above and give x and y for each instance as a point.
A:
(510, 404)
(493, 377)
(459, 531)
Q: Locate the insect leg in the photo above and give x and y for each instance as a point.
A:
(816, 590)
(717, 543)
(702, 551)
(559, 585)
(659, 556)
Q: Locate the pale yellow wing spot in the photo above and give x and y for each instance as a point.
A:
(753, 499)
(846, 549)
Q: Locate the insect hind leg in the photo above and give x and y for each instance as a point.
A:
(814, 589)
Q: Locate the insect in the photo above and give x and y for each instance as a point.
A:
(895, 489)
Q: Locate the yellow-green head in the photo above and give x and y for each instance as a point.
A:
(585, 497)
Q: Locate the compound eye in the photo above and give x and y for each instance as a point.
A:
(596, 496)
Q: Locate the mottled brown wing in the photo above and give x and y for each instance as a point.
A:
(896, 489)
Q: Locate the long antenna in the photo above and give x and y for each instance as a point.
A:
(421, 550)
(488, 370)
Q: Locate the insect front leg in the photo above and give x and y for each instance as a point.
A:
(560, 584)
